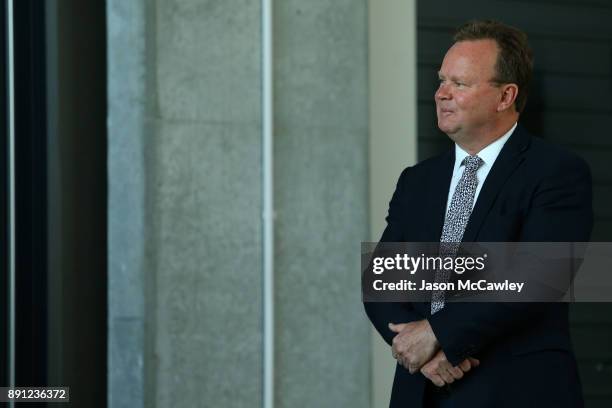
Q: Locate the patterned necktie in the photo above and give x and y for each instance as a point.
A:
(455, 222)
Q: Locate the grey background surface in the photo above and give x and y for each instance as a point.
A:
(185, 182)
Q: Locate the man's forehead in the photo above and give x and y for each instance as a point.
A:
(470, 55)
(475, 48)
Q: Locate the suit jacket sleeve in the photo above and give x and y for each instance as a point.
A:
(561, 211)
(383, 313)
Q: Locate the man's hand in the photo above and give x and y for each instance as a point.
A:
(414, 345)
(440, 372)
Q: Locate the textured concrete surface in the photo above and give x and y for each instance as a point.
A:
(126, 201)
(207, 201)
(185, 203)
(321, 202)
(207, 309)
(208, 60)
(125, 342)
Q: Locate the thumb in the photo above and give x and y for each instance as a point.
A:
(396, 327)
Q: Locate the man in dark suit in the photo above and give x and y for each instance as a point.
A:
(498, 184)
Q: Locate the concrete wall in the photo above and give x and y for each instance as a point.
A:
(129, 101)
(185, 248)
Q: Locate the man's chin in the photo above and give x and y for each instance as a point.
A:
(449, 130)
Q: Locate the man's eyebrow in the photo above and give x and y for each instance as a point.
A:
(453, 78)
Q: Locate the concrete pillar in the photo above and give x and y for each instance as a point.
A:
(321, 202)
(184, 203)
(127, 231)
(205, 198)
(185, 248)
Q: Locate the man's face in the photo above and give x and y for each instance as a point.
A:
(466, 100)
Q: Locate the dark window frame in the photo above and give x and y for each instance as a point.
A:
(30, 124)
(4, 236)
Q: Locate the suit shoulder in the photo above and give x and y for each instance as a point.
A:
(551, 155)
(424, 167)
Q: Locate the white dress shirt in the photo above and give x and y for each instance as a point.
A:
(488, 155)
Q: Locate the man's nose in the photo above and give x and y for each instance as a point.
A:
(442, 92)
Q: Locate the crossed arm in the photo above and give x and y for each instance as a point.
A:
(414, 344)
(416, 348)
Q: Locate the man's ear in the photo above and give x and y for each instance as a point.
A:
(508, 96)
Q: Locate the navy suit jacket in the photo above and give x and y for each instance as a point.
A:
(535, 192)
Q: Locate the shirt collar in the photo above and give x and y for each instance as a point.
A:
(488, 154)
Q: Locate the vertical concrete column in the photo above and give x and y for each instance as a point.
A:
(184, 203)
(127, 231)
(321, 176)
(185, 249)
(205, 196)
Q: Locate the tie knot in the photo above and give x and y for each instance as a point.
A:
(472, 163)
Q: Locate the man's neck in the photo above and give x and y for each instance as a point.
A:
(473, 145)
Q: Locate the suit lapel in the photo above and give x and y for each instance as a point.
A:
(437, 197)
(505, 164)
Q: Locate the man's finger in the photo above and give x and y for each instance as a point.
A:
(446, 375)
(474, 361)
(444, 370)
(413, 368)
(437, 380)
(465, 365)
(456, 372)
